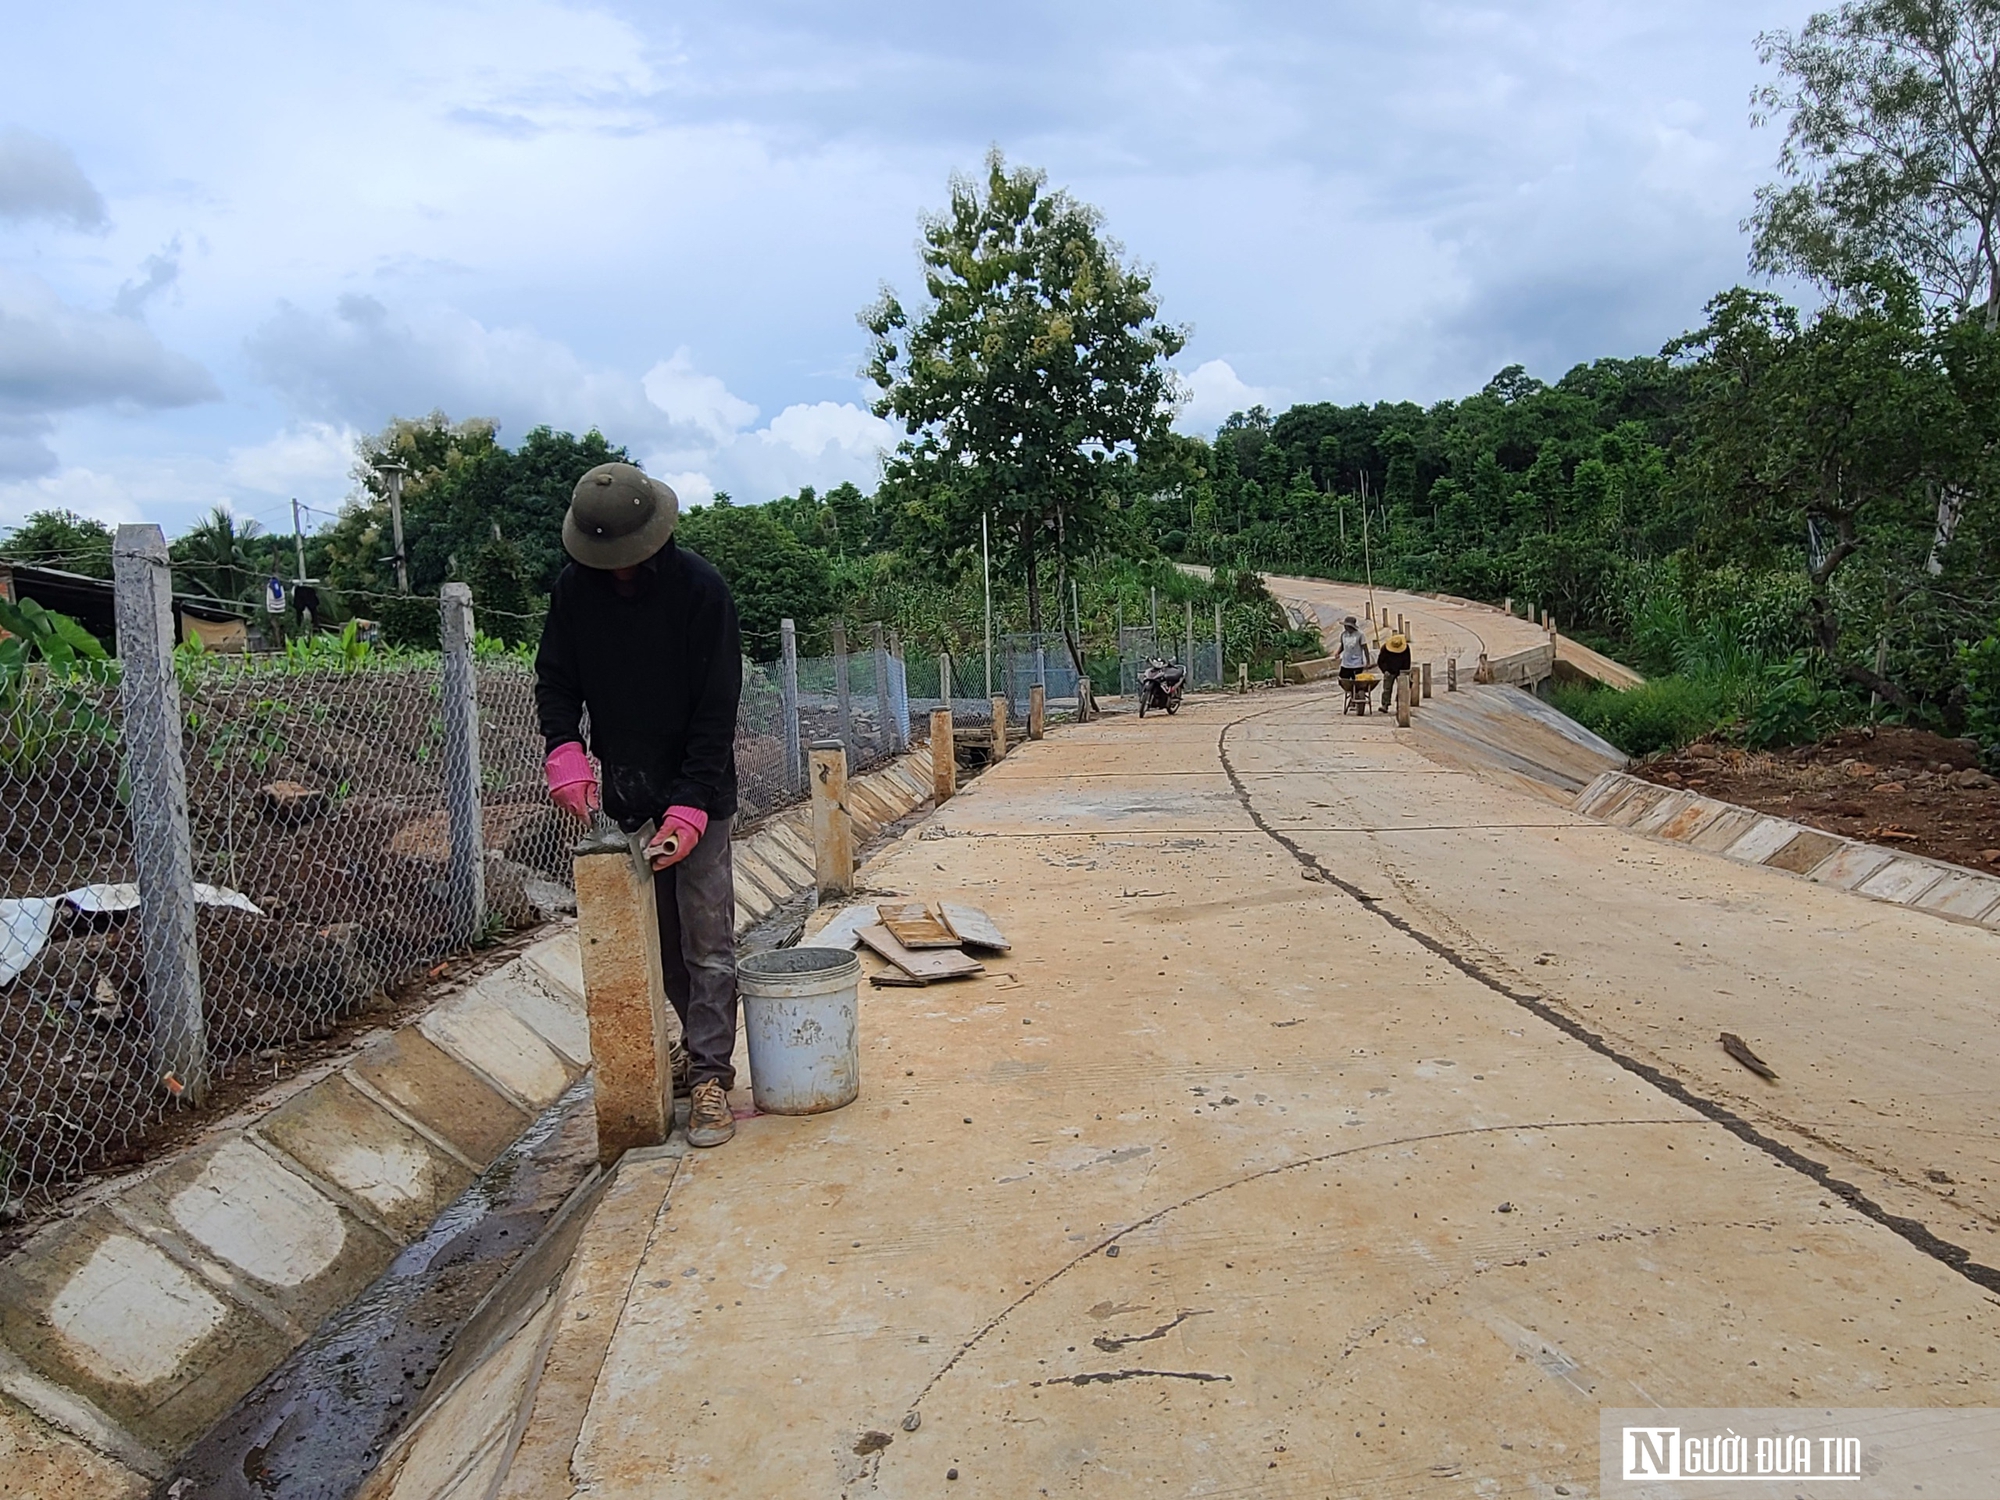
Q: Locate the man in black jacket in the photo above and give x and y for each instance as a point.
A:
(643, 636)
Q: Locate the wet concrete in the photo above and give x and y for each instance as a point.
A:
(317, 1425)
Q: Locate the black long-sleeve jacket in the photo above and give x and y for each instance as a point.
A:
(660, 672)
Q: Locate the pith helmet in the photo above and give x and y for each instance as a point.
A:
(618, 517)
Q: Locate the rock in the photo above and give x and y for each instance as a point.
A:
(1972, 780)
(533, 834)
(290, 802)
(507, 891)
(1889, 786)
(550, 898)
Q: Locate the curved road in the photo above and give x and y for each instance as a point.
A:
(1341, 1123)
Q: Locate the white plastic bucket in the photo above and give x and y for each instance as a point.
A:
(801, 1013)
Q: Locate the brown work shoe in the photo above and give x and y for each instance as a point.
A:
(709, 1120)
(681, 1066)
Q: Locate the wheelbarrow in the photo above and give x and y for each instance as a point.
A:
(1360, 690)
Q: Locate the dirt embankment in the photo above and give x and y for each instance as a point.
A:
(1905, 788)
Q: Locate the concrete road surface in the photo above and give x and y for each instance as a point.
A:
(1341, 1124)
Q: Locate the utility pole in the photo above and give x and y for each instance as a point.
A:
(299, 541)
(393, 473)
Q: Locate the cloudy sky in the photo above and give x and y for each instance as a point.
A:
(233, 237)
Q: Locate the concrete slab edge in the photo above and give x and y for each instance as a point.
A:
(58, 1253)
(774, 862)
(1625, 801)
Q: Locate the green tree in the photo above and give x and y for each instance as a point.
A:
(61, 539)
(1892, 149)
(770, 571)
(222, 558)
(1031, 376)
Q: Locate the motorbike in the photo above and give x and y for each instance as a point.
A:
(1160, 685)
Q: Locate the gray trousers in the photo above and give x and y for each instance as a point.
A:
(696, 900)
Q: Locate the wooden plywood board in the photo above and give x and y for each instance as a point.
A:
(973, 926)
(917, 924)
(839, 933)
(919, 963)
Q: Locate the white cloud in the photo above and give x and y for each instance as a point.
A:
(692, 399)
(55, 357)
(365, 362)
(307, 459)
(691, 487)
(87, 492)
(39, 179)
(1214, 391)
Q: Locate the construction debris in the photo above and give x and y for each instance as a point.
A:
(1739, 1049)
(923, 965)
(975, 927)
(917, 924)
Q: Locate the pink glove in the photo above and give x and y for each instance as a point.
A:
(680, 830)
(572, 784)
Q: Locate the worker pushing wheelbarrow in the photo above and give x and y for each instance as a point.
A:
(1357, 675)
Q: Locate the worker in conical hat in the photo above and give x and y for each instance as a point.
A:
(642, 635)
(1392, 662)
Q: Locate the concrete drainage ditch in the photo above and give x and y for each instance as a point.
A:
(264, 1313)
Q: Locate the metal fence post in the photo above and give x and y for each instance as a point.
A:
(788, 699)
(460, 708)
(884, 708)
(842, 700)
(162, 846)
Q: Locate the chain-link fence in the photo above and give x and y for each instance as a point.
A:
(209, 862)
(1140, 644)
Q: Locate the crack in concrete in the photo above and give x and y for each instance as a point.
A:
(1912, 1231)
(1110, 1243)
(1110, 1377)
(1112, 1345)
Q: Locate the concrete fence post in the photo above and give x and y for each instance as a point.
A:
(1243, 677)
(944, 757)
(1508, 604)
(1402, 700)
(459, 693)
(1278, 671)
(843, 700)
(1427, 679)
(1451, 674)
(631, 1024)
(1083, 700)
(833, 829)
(162, 845)
(1189, 656)
(884, 705)
(999, 728)
(1038, 710)
(788, 701)
(1218, 646)
(944, 678)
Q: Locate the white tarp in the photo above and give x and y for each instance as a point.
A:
(25, 925)
(27, 921)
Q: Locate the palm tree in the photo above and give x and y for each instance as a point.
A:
(216, 557)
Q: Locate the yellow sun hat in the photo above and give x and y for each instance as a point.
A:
(1398, 643)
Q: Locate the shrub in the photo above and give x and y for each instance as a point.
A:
(1662, 714)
